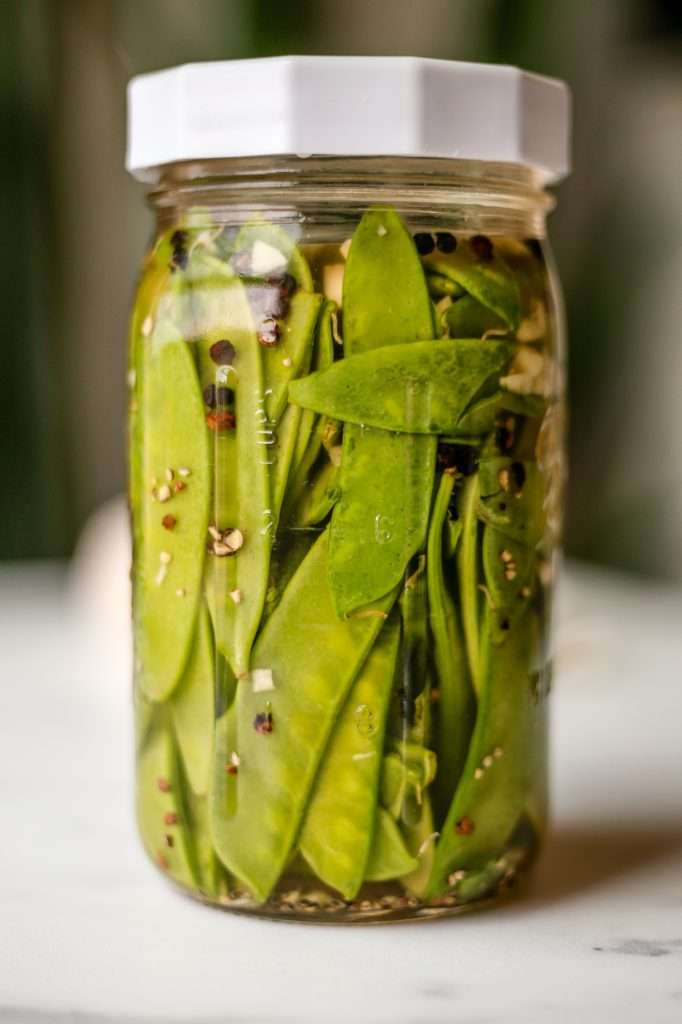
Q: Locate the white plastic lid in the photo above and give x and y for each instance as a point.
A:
(348, 106)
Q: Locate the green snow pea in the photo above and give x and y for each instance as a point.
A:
(266, 257)
(420, 841)
(525, 405)
(269, 247)
(162, 813)
(210, 301)
(468, 576)
(381, 517)
(495, 784)
(169, 563)
(286, 558)
(294, 345)
(531, 275)
(145, 715)
(312, 426)
(468, 318)
(152, 284)
(489, 281)
(407, 774)
(408, 768)
(283, 455)
(441, 286)
(423, 387)
(289, 430)
(538, 797)
(414, 721)
(304, 664)
(336, 836)
(389, 856)
(221, 314)
(268, 250)
(210, 872)
(193, 707)
(456, 709)
(317, 499)
(512, 496)
(480, 883)
(418, 763)
(481, 415)
(508, 566)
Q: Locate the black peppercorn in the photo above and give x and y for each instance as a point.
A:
(482, 248)
(424, 243)
(222, 352)
(446, 242)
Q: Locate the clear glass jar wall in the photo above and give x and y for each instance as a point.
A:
(345, 485)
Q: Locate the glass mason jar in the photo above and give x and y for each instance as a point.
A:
(346, 464)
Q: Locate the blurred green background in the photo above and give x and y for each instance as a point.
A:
(74, 228)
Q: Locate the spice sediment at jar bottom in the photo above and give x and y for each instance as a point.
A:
(343, 455)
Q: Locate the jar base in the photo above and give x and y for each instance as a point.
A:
(308, 901)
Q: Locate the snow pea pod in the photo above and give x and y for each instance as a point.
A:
(284, 307)
(389, 856)
(479, 418)
(169, 563)
(305, 661)
(286, 558)
(312, 427)
(145, 714)
(489, 281)
(291, 355)
(512, 496)
(407, 773)
(381, 517)
(525, 405)
(221, 316)
(495, 783)
(414, 657)
(408, 768)
(193, 707)
(441, 286)
(262, 249)
(152, 284)
(420, 841)
(423, 387)
(162, 813)
(468, 318)
(508, 566)
(456, 703)
(336, 836)
(318, 498)
(418, 763)
(468, 576)
(210, 872)
(283, 455)
(288, 432)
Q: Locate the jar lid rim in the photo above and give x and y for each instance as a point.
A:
(348, 106)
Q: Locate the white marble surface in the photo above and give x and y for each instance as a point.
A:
(90, 933)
